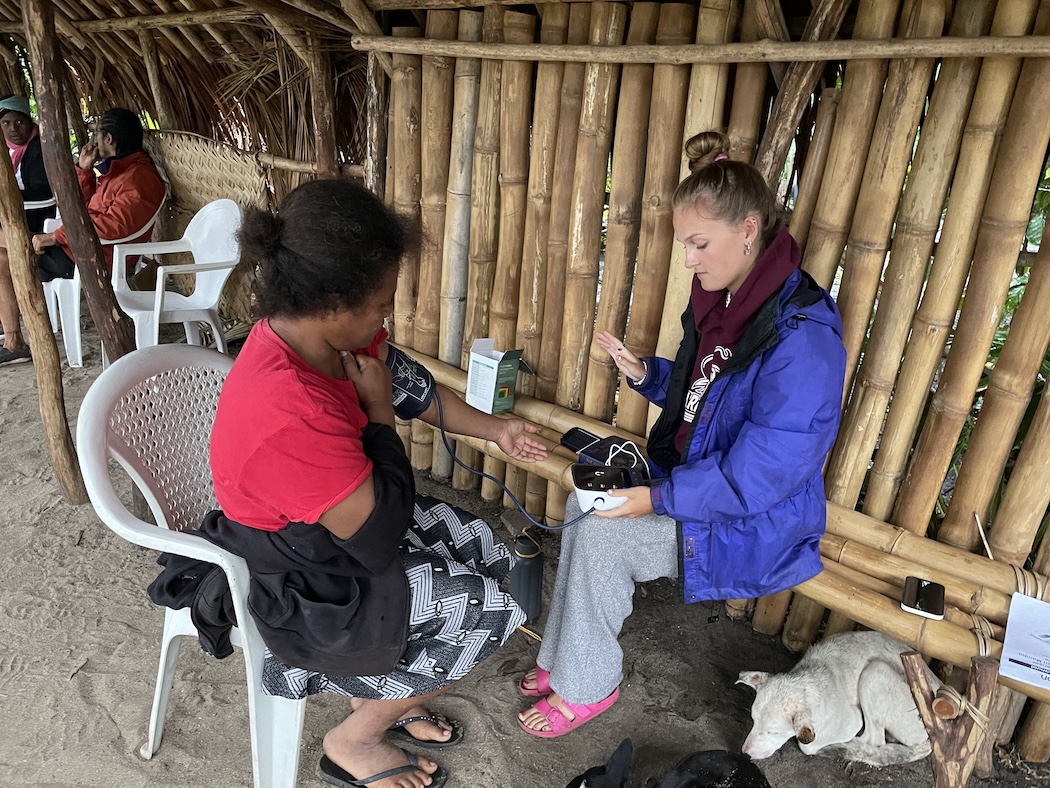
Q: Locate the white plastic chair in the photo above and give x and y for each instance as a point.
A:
(152, 411)
(211, 237)
(62, 296)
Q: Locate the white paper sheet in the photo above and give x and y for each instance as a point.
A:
(1026, 646)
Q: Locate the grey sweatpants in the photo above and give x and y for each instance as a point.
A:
(601, 560)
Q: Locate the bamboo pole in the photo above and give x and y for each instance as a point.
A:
(707, 89)
(936, 314)
(991, 442)
(888, 158)
(405, 98)
(916, 226)
(531, 293)
(749, 92)
(484, 217)
(656, 234)
(861, 88)
(795, 92)
(724, 53)
(515, 113)
(1033, 743)
(151, 21)
(621, 245)
(113, 325)
(813, 169)
(587, 205)
(1018, 168)
(46, 363)
(436, 142)
(561, 195)
(456, 242)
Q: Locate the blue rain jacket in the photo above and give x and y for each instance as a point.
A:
(747, 492)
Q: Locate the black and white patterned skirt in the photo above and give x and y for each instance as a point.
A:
(458, 615)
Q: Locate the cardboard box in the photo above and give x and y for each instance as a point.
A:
(491, 376)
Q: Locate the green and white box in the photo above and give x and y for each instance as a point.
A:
(491, 376)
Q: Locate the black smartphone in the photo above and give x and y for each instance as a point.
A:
(923, 597)
(605, 477)
(577, 439)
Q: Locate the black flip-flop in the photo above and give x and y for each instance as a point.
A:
(337, 775)
(397, 731)
(10, 356)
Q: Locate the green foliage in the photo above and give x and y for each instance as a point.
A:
(1040, 207)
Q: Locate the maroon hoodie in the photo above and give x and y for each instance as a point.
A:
(721, 325)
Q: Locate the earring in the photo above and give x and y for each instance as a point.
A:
(747, 248)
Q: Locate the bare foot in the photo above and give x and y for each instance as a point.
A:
(364, 760)
(533, 720)
(529, 682)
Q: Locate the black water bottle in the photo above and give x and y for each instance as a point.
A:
(526, 578)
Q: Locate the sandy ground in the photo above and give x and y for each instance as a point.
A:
(79, 655)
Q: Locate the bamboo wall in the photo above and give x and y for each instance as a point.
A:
(546, 199)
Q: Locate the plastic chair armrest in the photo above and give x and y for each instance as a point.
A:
(50, 225)
(121, 252)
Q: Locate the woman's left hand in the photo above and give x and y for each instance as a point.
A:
(638, 503)
(514, 439)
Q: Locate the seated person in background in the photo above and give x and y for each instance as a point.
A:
(359, 587)
(121, 201)
(22, 136)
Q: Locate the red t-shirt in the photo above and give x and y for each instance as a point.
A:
(286, 444)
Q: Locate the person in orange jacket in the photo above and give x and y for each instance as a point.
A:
(121, 201)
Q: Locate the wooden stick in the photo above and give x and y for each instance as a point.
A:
(1033, 743)
(30, 297)
(770, 24)
(455, 245)
(374, 170)
(1018, 168)
(813, 170)
(156, 85)
(940, 302)
(437, 92)
(113, 325)
(861, 91)
(622, 229)
(755, 52)
(916, 226)
(795, 92)
(656, 235)
(322, 104)
(955, 742)
(992, 440)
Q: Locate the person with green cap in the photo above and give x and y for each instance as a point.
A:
(22, 136)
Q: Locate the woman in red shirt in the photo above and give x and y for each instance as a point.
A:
(359, 586)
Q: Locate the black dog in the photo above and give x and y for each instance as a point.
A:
(714, 769)
(612, 775)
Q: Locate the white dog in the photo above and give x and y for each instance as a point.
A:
(849, 693)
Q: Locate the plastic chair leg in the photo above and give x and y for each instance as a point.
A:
(193, 334)
(276, 729)
(51, 302)
(69, 312)
(145, 330)
(171, 642)
(216, 329)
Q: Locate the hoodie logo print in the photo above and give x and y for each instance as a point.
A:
(709, 369)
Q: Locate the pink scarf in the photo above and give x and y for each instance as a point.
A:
(18, 151)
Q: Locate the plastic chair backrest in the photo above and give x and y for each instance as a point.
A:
(152, 411)
(212, 236)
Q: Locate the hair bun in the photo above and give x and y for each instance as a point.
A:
(704, 148)
(261, 234)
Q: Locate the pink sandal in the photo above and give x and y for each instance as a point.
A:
(542, 688)
(560, 725)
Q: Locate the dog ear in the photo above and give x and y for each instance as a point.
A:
(752, 678)
(803, 729)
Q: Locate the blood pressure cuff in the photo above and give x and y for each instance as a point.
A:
(414, 386)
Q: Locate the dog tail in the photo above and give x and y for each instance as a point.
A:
(879, 754)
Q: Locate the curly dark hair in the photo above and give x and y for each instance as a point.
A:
(331, 245)
(125, 128)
